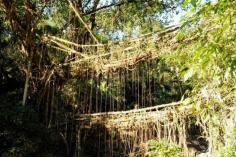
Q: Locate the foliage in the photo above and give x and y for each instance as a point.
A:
(230, 151)
(135, 18)
(208, 64)
(160, 148)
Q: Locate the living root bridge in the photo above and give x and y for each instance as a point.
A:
(134, 127)
(114, 56)
(132, 118)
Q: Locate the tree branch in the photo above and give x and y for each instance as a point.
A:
(82, 21)
(103, 7)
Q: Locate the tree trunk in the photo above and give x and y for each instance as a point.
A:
(26, 83)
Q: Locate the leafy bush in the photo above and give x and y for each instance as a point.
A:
(230, 151)
(160, 148)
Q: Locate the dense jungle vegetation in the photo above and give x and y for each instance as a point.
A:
(41, 93)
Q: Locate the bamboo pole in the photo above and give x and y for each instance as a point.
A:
(147, 109)
(72, 43)
(70, 50)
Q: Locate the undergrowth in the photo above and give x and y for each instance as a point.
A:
(161, 148)
(230, 150)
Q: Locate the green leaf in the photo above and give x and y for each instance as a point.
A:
(194, 3)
